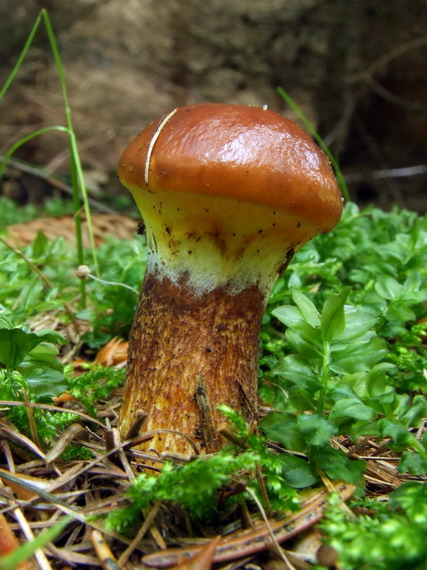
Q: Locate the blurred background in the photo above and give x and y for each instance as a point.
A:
(357, 69)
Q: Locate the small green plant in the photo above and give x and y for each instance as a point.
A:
(195, 486)
(41, 278)
(369, 377)
(410, 358)
(31, 371)
(28, 360)
(336, 381)
(94, 385)
(391, 538)
(176, 484)
(120, 262)
(77, 179)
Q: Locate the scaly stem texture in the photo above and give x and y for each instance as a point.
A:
(187, 355)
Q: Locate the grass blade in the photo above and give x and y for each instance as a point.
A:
(312, 131)
(25, 551)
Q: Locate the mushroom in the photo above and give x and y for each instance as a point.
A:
(228, 193)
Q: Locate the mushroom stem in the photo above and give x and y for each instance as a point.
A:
(189, 354)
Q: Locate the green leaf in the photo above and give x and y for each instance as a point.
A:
(337, 465)
(39, 245)
(357, 323)
(299, 330)
(316, 429)
(43, 381)
(386, 401)
(412, 498)
(297, 471)
(388, 287)
(341, 391)
(296, 369)
(283, 429)
(377, 378)
(400, 435)
(415, 412)
(358, 357)
(332, 317)
(400, 310)
(361, 428)
(45, 354)
(350, 409)
(289, 315)
(305, 341)
(35, 358)
(301, 399)
(413, 283)
(411, 462)
(50, 336)
(307, 308)
(14, 345)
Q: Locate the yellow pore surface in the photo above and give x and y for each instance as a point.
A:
(212, 242)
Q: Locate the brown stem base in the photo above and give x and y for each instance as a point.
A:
(187, 355)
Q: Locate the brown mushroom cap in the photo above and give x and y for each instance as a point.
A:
(235, 151)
